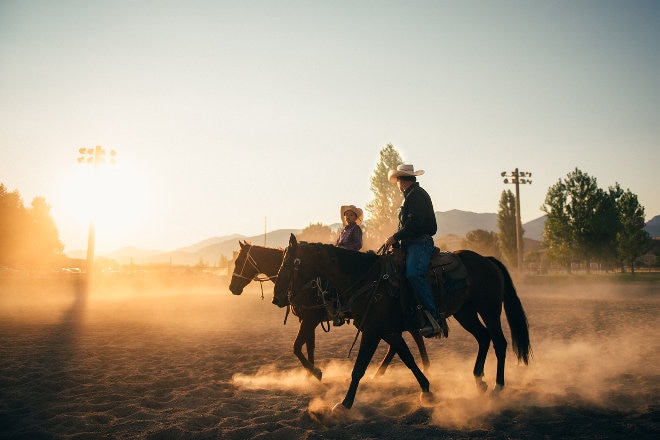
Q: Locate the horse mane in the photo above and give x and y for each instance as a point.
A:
(348, 261)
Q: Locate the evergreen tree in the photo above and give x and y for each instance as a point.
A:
(384, 208)
(29, 237)
(506, 226)
(42, 244)
(12, 223)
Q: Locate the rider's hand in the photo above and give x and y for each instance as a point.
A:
(390, 241)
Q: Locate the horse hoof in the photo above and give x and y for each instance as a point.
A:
(482, 386)
(426, 398)
(318, 374)
(497, 390)
(339, 411)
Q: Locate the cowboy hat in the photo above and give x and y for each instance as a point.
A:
(353, 208)
(403, 170)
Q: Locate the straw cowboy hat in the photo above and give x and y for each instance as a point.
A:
(403, 170)
(353, 208)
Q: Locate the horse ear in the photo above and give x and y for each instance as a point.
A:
(292, 240)
(241, 243)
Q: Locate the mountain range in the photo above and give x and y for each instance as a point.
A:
(454, 222)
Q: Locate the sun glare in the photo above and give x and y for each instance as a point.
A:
(113, 196)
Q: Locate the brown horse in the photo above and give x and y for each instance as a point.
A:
(253, 260)
(363, 280)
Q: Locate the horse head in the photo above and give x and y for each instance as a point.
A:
(244, 270)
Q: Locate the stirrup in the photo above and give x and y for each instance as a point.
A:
(435, 327)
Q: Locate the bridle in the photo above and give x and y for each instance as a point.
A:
(315, 283)
(254, 265)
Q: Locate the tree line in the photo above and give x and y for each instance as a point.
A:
(591, 224)
(28, 235)
(584, 222)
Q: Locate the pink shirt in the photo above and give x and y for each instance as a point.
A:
(350, 237)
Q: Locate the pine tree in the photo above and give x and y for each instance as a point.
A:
(384, 208)
(506, 227)
(29, 236)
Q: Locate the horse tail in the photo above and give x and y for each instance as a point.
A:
(515, 314)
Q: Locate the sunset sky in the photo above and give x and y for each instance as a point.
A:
(228, 115)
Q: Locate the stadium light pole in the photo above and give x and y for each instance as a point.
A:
(94, 156)
(518, 178)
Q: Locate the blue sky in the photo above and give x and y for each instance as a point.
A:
(226, 115)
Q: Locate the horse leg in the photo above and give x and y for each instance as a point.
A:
(307, 328)
(310, 342)
(391, 352)
(368, 345)
(397, 343)
(499, 344)
(386, 362)
(419, 340)
(468, 318)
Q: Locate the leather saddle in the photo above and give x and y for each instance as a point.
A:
(444, 268)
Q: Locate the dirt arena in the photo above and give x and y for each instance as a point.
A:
(182, 359)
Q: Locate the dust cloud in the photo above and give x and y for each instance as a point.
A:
(183, 357)
(592, 345)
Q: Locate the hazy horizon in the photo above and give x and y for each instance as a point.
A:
(335, 226)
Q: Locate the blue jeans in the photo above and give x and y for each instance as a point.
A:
(418, 255)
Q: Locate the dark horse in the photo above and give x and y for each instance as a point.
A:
(253, 260)
(362, 279)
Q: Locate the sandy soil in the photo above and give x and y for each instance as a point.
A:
(181, 359)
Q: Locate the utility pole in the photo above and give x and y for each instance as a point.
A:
(94, 156)
(518, 178)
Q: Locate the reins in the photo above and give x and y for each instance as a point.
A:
(370, 287)
(375, 283)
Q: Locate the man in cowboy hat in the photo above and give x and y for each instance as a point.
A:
(417, 226)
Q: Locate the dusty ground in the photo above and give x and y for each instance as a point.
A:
(179, 359)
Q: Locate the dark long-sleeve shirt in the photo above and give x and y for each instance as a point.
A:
(416, 217)
(350, 237)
